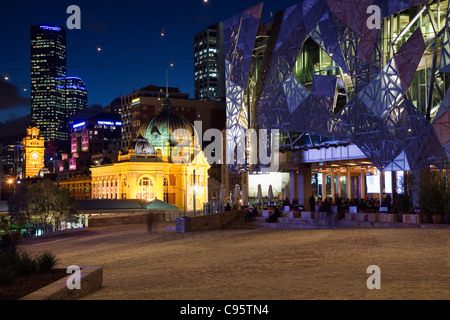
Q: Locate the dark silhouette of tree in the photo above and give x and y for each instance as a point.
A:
(42, 202)
(18, 206)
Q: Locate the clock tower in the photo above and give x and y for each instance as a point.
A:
(33, 153)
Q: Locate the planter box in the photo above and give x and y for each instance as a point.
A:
(325, 216)
(266, 213)
(291, 214)
(91, 281)
(307, 215)
(412, 218)
(388, 217)
(367, 217)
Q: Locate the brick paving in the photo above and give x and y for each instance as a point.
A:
(259, 264)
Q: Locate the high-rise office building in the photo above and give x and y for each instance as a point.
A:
(54, 96)
(76, 98)
(48, 67)
(209, 64)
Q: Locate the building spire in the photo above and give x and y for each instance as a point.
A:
(167, 105)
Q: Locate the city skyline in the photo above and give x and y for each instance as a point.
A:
(132, 55)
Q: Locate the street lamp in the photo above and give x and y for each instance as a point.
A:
(11, 182)
(195, 199)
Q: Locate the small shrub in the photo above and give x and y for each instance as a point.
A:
(6, 275)
(26, 264)
(46, 261)
(8, 259)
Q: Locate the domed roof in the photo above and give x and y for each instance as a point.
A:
(159, 131)
(142, 146)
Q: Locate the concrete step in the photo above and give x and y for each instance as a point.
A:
(241, 224)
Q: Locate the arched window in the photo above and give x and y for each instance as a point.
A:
(145, 190)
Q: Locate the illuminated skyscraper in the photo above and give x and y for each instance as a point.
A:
(74, 92)
(48, 71)
(209, 63)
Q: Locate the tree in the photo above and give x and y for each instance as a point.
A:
(48, 203)
(42, 202)
(18, 206)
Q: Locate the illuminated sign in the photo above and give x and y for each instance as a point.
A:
(50, 28)
(105, 123)
(78, 125)
(135, 101)
(109, 123)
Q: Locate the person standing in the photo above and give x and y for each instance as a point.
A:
(312, 203)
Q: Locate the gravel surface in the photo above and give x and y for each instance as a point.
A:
(258, 264)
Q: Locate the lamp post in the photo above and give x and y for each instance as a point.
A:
(195, 200)
(13, 183)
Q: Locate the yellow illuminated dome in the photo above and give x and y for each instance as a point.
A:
(163, 131)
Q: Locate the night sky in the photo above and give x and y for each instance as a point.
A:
(133, 53)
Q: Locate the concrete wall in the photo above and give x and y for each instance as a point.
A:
(108, 220)
(118, 219)
(208, 222)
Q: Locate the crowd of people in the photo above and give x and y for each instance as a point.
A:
(344, 204)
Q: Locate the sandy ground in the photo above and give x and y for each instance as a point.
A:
(259, 264)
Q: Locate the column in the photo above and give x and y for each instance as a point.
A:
(159, 186)
(415, 191)
(292, 186)
(339, 187)
(304, 188)
(363, 184)
(133, 185)
(333, 187)
(394, 186)
(324, 185)
(349, 183)
(381, 173)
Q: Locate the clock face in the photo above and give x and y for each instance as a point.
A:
(34, 155)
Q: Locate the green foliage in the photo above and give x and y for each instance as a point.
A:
(433, 194)
(43, 202)
(6, 275)
(26, 264)
(46, 261)
(4, 223)
(403, 202)
(14, 263)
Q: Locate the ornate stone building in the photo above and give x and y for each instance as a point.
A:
(153, 170)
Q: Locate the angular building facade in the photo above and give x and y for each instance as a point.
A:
(369, 75)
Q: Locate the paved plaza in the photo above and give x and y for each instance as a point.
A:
(258, 264)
